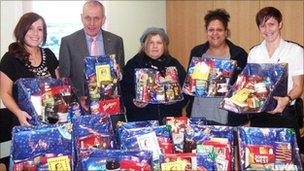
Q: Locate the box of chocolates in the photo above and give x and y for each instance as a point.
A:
(47, 100)
(157, 87)
(255, 87)
(208, 77)
(268, 149)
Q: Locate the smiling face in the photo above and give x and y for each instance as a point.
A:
(216, 33)
(155, 46)
(92, 19)
(34, 36)
(270, 30)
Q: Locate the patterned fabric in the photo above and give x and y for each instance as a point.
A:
(42, 69)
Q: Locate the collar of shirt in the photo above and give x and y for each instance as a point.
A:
(276, 55)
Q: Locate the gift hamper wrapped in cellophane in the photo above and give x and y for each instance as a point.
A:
(157, 87)
(268, 149)
(103, 85)
(213, 145)
(124, 160)
(47, 100)
(45, 147)
(255, 88)
(208, 77)
(152, 138)
(92, 132)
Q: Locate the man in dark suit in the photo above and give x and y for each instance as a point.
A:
(75, 47)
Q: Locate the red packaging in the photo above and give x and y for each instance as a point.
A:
(93, 140)
(132, 165)
(111, 106)
(165, 145)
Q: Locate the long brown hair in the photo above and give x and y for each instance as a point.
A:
(17, 48)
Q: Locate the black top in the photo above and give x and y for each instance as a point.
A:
(14, 68)
(151, 111)
(236, 53)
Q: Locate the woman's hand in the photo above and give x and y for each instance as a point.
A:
(140, 104)
(281, 105)
(23, 117)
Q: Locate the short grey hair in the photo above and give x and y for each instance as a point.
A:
(96, 4)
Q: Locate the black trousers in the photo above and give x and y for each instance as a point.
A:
(288, 119)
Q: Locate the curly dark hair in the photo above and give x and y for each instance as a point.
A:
(218, 14)
(18, 48)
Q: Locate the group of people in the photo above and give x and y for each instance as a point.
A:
(27, 58)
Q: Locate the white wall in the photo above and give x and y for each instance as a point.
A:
(127, 19)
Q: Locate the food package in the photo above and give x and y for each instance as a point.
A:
(47, 100)
(208, 77)
(255, 87)
(45, 147)
(102, 82)
(268, 149)
(157, 87)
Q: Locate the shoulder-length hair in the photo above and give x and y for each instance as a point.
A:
(25, 22)
(144, 45)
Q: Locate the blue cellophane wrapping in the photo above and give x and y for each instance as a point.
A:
(128, 136)
(268, 137)
(159, 136)
(89, 127)
(31, 86)
(124, 126)
(198, 134)
(216, 82)
(108, 92)
(157, 87)
(198, 121)
(97, 159)
(32, 142)
(275, 79)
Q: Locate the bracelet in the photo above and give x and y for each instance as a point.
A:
(289, 99)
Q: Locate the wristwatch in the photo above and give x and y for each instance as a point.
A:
(289, 99)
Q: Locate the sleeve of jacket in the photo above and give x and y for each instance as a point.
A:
(64, 59)
(128, 86)
(121, 53)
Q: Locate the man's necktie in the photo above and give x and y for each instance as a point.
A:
(94, 48)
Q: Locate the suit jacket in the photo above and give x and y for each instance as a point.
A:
(74, 49)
